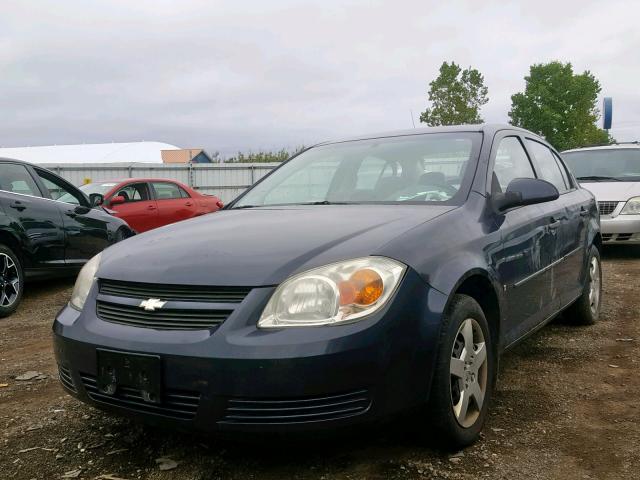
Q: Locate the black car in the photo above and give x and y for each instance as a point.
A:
(47, 229)
(361, 278)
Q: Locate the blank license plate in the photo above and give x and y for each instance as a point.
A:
(129, 373)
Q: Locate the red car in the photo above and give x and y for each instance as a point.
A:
(146, 203)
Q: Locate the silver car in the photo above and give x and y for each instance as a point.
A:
(612, 173)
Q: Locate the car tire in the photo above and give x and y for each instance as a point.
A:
(11, 281)
(461, 389)
(121, 234)
(586, 309)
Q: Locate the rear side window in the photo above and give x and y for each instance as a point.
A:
(168, 191)
(17, 179)
(547, 165)
(511, 162)
(59, 190)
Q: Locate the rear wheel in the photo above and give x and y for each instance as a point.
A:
(11, 281)
(464, 377)
(586, 310)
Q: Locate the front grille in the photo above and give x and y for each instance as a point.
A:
(180, 293)
(164, 319)
(301, 410)
(65, 378)
(175, 403)
(607, 208)
(623, 236)
(606, 237)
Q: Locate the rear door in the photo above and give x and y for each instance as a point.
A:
(174, 203)
(571, 210)
(36, 220)
(86, 231)
(139, 210)
(528, 248)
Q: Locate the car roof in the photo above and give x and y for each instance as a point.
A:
(138, 179)
(614, 146)
(488, 129)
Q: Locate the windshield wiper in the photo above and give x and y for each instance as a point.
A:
(599, 178)
(245, 206)
(323, 202)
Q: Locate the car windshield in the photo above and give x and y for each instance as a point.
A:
(612, 164)
(424, 168)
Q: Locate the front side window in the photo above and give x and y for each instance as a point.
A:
(168, 191)
(426, 168)
(547, 166)
(511, 162)
(606, 164)
(134, 192)
(17, 179)
(58, 190)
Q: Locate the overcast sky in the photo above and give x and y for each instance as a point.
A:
(241, 75)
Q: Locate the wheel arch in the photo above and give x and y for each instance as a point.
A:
(479, 285)
(10, 240)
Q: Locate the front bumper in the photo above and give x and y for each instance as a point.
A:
(620, 229)
(240, 378)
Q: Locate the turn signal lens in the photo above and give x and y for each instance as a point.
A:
(364, 287)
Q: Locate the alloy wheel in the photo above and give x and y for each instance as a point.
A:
(468, 369)
(9, 281)
(594, 285)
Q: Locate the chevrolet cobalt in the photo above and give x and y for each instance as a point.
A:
(361, 278)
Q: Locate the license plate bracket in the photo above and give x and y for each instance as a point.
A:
(118, 372)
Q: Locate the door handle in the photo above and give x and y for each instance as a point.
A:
(151, 207)
(188, 204)
(554, 223)
(71, 214)
(583, 212)
(18, 206)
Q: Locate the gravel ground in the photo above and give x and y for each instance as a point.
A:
(564, 408)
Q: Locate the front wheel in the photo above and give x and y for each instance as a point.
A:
(11, 281)
(586, 310)
(464, 376)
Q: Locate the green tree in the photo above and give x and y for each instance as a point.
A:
(559, 105)
(456, 96)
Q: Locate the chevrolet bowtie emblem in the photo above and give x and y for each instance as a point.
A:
(152, 304)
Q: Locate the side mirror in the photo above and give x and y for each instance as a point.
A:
(96, 199)
(525, 191)
(118, 199)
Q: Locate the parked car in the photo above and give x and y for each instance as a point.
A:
(147, 203)
(359, 279)
(41, 236)
(612, 174)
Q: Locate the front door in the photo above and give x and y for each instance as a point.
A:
(86, 233)
(35, 219)
(571, 234)
(528, 244)
(139, 209)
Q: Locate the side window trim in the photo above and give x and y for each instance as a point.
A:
(567, 174)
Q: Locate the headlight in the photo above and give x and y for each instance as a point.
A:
(334, 294)
(632, 207)
(83, 282)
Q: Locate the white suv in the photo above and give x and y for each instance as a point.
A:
(612, 173)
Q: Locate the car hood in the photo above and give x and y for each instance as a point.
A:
(613, 191)
(259, 246)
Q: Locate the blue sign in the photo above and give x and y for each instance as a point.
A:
(607, 113)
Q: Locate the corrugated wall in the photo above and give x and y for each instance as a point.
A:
(226, 181)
